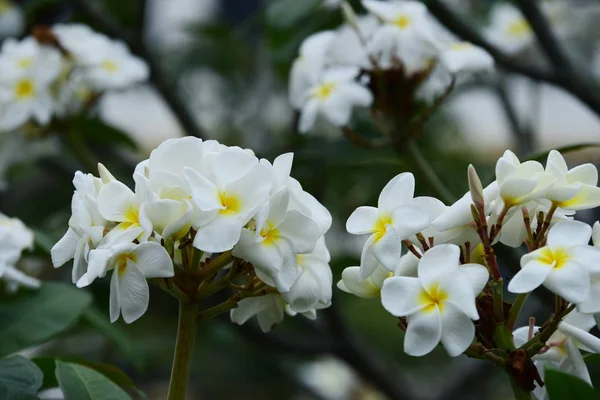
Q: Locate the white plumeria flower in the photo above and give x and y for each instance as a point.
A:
(309, 65)
(28, 70)
(269, 310)
(573, 189)
(312, 288)
(278, 237)
(369, 288)
(334, 96)
(117, 203)
(238, 188)
(563, 266)
(465, 57)
(521, 182)
(509, 29)
(406, 34)
(131, 264)
(394, 220)
(439, 304)
(112, 66)
(12, 21)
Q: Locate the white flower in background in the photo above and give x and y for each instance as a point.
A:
(15, 237)
(28, 70)
(369, 288)
(521, 182)
(238, 188)
(563, 266)
(11, 19)
(279, 235)
(331, 378)
(79, 40)
(465, 57)
(348, 47)
(509, 29)
(334, 96)
(439, 304)
(573, 189)
(393, 220)
(131, 264)
(406, 35)
(269, 310)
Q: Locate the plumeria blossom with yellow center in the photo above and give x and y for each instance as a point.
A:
(563, 266)
(394, 219)
(333, 96)
(509, 29)
(439, 304)
(28, 70)
(573, 189)
(279, 235)
(406, 35)
(230, 195)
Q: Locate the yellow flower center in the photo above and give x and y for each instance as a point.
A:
(519, 28)
(270, 234)
(556, 258)
(24, 89)
(132, 215)
(324, 91)
(402, 22)
(110, 66)
(25, 62)
(460, 46)
(432, 298)
(231, 204)
(380, 226)
(121, 263)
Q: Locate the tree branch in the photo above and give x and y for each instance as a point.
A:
(168, 90)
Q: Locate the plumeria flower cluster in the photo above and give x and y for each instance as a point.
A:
(203, 217)
(58, 70)
(397, 45)
(434, 266)
(15, 237)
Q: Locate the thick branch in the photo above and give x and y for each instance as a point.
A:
(168, 90)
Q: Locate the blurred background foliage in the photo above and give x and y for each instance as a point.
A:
(229, 60)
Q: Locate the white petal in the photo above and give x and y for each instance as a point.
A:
(583, 337)
(577, 361)
(571, 282)
(588, 256)
(308, 115)
(219, 235)
(204, 193)
(252, 190)
(400, 296)
(153, 260)
(289, 272)
(460, 293)
(368, 262)
(247, 308)
(477, 274)
(585, 173)
(388, 249)
(400, 190)
(300, 230)
(65, 248)
(266, 257)
(278, 207)
(458, 330)
(337, 109)
(115, 200)
(351, 283)
(569, 233)
(438, 262)
(134, 295)
(591, 304)
(231, 165)
(423, 333)
(530, 277)
(409, 220)
(362, 220)
(115, 301)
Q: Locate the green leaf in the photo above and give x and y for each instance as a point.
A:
(562, 386)
(94, 130)
(35, 316)
(82, 383)
(100, 322)
(592, 358)
(543, 155)
(284, 14)
(20, 379)
(42, 241)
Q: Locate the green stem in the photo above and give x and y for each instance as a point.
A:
(519, 392)
(515, 310)
(429, 173)
(80, 150)
(182, 361)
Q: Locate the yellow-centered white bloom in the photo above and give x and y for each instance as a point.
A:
(509, 29)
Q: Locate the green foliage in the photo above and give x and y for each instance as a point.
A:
(20, 379)
(563, 386)
(33, 317)
(78, 382)
(284, 14)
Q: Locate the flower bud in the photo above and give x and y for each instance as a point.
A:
(475, 187)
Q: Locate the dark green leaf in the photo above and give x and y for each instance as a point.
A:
(113, 332)
(283, 14)
(35, 316)
(42, 241)
(562, 386)
(82, 383)
(20, 379)
(592, 358)
(543, 155)
(96, 131)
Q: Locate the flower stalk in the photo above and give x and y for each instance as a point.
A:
(184, 349)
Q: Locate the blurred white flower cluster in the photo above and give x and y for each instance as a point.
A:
(339, 70)
(14, 238)
(222, 200)
(58, 71)
(12, 21)
(434, 287)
